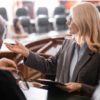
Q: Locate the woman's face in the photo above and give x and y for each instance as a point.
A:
(73, 29)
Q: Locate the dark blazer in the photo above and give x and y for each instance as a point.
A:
(87, 70)
(9, 90)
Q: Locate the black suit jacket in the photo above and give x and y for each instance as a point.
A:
(87, 70)
(9, 90)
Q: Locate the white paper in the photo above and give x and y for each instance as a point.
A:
(35, 93)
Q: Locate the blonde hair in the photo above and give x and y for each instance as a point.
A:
(87, 19)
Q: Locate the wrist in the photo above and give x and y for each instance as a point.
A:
(79, 86)
(26, 53)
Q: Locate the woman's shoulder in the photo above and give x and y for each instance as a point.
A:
(67, 42)
(68, 39)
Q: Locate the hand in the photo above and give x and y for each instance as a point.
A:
(71, 87)
(18, 48)
(7, 64)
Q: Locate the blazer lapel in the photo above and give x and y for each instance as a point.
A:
(68, 60)
(85, 58)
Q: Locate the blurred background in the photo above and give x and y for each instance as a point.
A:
(38, 16)
(26, 20)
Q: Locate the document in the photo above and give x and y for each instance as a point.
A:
(35, 93)
(52, 83)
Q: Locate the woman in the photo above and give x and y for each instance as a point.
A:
(77, 63)
(17, 30)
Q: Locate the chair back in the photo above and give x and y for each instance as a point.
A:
(42, 24)
(25, 21)
(42, 11)
(60, 23)
(22, 12)
(3, 13)
(59, 10)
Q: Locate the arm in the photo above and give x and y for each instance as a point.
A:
(33, 59)
(87, 89)
(80, 88)
(40, 63)
(83, 88)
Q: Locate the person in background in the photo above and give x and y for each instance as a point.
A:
(4, 62)
(77, 64)
(2, 29)
(9, 89)
(16, 30)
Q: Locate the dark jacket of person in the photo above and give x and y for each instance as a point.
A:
(9, 90)
(87, 70)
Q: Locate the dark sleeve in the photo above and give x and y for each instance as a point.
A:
(40, 63)
(9, 90)
(87, 90)
(47, 66)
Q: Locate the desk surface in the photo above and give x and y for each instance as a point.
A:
(50, 94)
(32, 38)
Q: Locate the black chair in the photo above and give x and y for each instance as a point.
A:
(59, 10)
(25, 21)
(60, 23)
(22, 12)
(59, 16)
(42, 11)
(42, 24)
(98, 7)
(3, 13)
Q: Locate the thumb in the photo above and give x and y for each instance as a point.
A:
(10, 69)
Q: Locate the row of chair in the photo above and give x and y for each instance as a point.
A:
(23, 11)
(42, 23)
